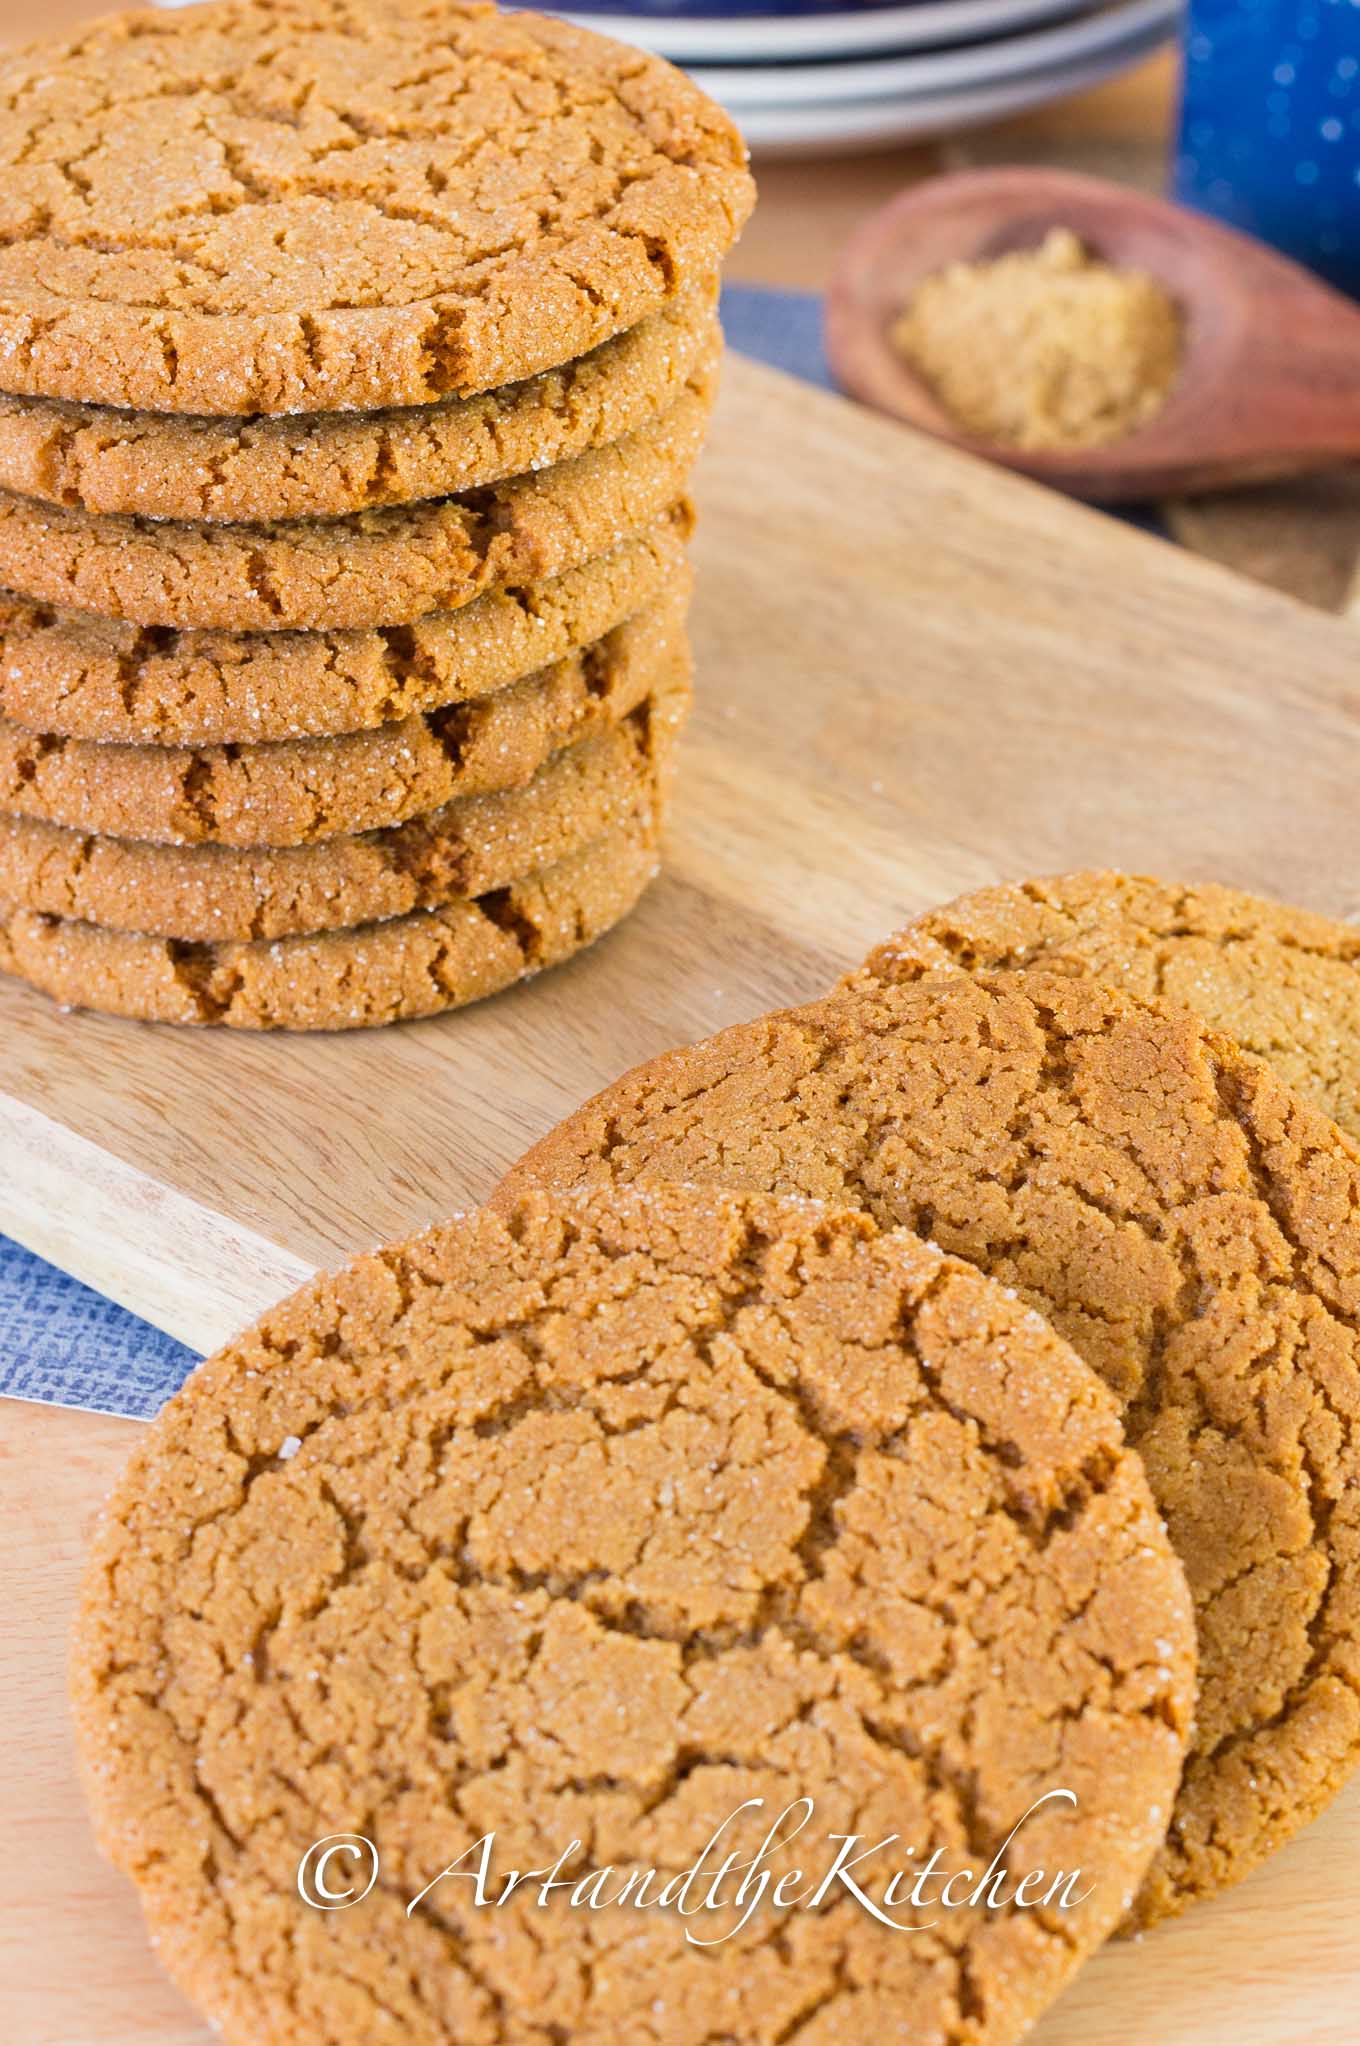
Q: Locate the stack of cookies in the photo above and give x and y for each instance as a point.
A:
(356, 354)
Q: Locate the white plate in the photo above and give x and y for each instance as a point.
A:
(802, 130)
(743, 87)
(842, 32)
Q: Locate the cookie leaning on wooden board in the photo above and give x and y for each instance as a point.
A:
(1188, 1223)
(591, 1522)
(308, 205)
(1284, 982)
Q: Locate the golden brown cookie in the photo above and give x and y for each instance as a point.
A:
(1283, 982)
(211, 893)
(581, 1528)
(305, 205)
(159, 465)
(386, 567)
(80, 677)
(299, 791)
(1190, 1225)
(354, 979)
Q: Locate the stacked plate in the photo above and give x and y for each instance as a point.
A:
(810, 80)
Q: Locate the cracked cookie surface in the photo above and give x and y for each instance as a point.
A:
(210, 893)
(589, 1524)
(300, 791)
(303, 205)
(101, 460)
(1189, 1224)
(1284, 982)
(81, 677)
(387, 567)
(389, 972)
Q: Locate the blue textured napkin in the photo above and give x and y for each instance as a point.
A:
(64, 1344)
(783, 328)
(73, 1348)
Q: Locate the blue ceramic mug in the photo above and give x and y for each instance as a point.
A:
(1270, 125)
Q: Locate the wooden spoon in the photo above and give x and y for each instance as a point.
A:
(1270, 381)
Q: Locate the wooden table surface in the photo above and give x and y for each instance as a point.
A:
(52, 1462)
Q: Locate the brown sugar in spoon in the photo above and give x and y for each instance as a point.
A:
(1269, 381)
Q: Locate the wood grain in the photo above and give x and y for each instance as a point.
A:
(916, 674)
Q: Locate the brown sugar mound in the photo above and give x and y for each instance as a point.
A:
(1284, 982)
(1193, 1229)
(307, 205)
(588, 1524)
(1044, 347)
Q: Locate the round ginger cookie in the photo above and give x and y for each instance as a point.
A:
(299, 791)
(71, 675)
(390, 972)
(212, 893)
(1184, 1220)
(1283, 982)
(309, 205)
(588, 1528)
(315, 465)
(387, 567)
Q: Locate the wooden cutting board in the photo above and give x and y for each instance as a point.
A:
(916, 675)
